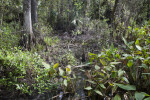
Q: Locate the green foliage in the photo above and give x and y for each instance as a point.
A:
(51, 41)
(127, 70)
(68, 59)
(8, 39)
(23, 71)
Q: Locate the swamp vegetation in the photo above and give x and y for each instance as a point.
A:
(74, 49)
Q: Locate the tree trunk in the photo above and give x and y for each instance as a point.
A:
(34, 11)
(1, 15)
(28, 35)
(114, 10)
(148, 10)
(113, 18)
(62, 8)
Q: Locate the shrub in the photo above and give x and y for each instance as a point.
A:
(8, 39)
(22, 70)
(118, 73)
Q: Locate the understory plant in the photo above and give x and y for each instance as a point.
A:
(122, 73)
(23, 71)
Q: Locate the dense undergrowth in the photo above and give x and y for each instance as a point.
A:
(123, 73)
(76, 49)
(114, 72)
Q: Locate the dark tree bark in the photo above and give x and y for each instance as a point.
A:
(114, 10)
(62, 7)
(34, 15)
(113, 17)
(148, 10)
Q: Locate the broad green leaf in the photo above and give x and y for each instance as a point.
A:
(92, 54)
(117, 97)
(88, 63)
(146, 73)
(112, 47)
(115, 63)
(61, 72)
(139, 95)
(68, 69)
(111, 84)
(47, 66)
(127, 56)
(126, 87)
(124, 40)
(88, 88)
(102, 54)
(64, 76)
(137, 42)
(147, 98)
(114, 74)
(138, 47)
(98, 92)
(97, 67)
(102, 85)
(137, 52)
(103, 62)
(65, 82)
(91, 81)
(117, 56)
(130, 63)
(144, 66)
(125, 79)
(56, 65)
(120, 72)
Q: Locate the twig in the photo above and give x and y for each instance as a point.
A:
(79, 66)
(58, 95)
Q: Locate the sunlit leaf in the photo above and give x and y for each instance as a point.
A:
(124, 40)
(61, 72)
(88, 88)
(102, 54)
(102, 85)
(126, 87)
(68, 69)
(127, 56)
(138, 52)
(110, 84)
(125, 79)
(115, 63)
(65, 82)
(92, 54)
(64, 76)
(137, 42)
(117, 97)
(98, 92)
(97, 67)
(91, 81)
(138, 47)
(103, 62)
(56, 65)
(120, 72)
(130, 63)
(144, 66)
(47, 66)
(117, 56)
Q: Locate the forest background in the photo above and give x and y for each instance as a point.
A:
(75, 49)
